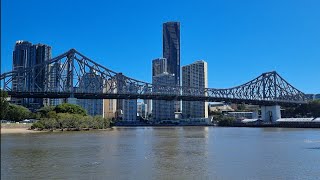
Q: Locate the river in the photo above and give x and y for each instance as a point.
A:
(163, 153)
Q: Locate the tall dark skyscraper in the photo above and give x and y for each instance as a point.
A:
(27, 55)
(171, 48)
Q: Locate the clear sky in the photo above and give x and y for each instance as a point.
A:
(239, 39)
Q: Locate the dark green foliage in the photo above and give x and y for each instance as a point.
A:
(72, 121)
(45, 110)
(70, 108)
(241, 107)
(17, 113)
(4, 105)
(225, 121)
(312, 109)
(37, 125)
(215, 113)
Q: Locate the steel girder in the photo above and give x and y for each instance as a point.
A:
(73, 74)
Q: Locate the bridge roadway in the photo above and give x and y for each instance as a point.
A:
(65, 95)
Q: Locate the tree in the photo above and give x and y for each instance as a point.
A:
(3, 104)
(241, 107)
(314, 108)
(44, 111)
(70, 108)
(17, 113)
(226, 121)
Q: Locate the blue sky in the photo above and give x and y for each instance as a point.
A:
(239, 39)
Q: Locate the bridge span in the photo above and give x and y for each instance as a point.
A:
(63, 76)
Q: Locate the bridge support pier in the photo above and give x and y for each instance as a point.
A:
(270, 113)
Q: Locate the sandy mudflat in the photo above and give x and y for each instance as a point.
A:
(17, 130)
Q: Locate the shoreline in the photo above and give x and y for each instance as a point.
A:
(27, 130)
(18, 131)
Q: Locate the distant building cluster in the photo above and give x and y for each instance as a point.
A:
(166, 71)
(313, 96)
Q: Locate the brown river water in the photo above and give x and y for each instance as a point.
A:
(163, 153)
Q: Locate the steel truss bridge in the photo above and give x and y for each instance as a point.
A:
(72, 74)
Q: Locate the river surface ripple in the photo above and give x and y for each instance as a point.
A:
(163, 153)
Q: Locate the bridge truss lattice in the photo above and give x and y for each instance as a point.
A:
(72, 74)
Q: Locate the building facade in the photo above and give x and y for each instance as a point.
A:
(171, 48)
(142, 110)
(195, 75)
(109, 108)
(109, 105)
(54, 83)
(171, 51)
(120, 84)
(26, 55)
(129, 106)
(148, 103)
(159, 66)
(21, 59)
(162, 109)
(91, 83)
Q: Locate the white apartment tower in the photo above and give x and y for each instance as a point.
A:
(195, 75)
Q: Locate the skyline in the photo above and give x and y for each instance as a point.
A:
(232, 51)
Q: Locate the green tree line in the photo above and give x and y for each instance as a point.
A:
(68, 116)
(63, 116)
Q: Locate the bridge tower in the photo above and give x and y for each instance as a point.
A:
(270, 113)
(69, 84)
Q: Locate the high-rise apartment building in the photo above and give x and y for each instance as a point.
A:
(148, 103)
(162, 109)
(109, 105)
(91, 83)
(21, 59)
(120, 84)
(109, 108)
(195, 75)
(130, 105)
(171, 51)
(26, 55)
(54, 83)
(142, 110)
(159, 66)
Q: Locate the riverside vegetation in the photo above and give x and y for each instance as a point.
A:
(64, 116)
(69, 117)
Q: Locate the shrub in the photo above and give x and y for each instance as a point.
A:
(70, 108)
(37, 125)
(17, 113)
(226, 121)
